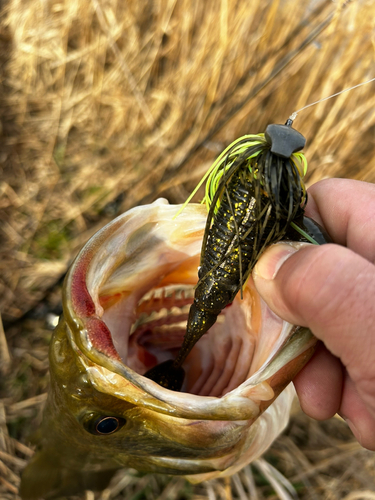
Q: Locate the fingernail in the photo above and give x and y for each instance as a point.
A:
(273, 258)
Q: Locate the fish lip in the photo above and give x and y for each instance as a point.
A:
(84, 313)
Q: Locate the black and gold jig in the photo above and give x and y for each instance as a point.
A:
(255, 196)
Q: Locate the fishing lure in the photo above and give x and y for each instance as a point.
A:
(255, 196)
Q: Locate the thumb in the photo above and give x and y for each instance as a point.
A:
(331, 290)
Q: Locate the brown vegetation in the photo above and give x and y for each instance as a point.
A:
(107, 104)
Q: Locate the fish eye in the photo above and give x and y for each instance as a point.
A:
(107, 425)
(102, 425)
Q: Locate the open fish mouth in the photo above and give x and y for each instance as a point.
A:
(126, 299)
(129, 293)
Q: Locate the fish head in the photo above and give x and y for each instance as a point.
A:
(125, 305)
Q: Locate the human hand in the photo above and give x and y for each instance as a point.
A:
(331, 290)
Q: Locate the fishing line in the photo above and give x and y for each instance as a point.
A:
(293, 116)
(277, 70)
(254, 137)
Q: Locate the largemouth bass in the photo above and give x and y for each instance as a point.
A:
(125, 305)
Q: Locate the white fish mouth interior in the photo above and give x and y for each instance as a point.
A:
(148, 328)
(141, 278)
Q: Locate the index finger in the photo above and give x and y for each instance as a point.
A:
(346, 209)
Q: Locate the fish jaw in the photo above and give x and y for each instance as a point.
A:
(144, 265)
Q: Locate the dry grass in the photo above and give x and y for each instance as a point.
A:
(107, 104)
